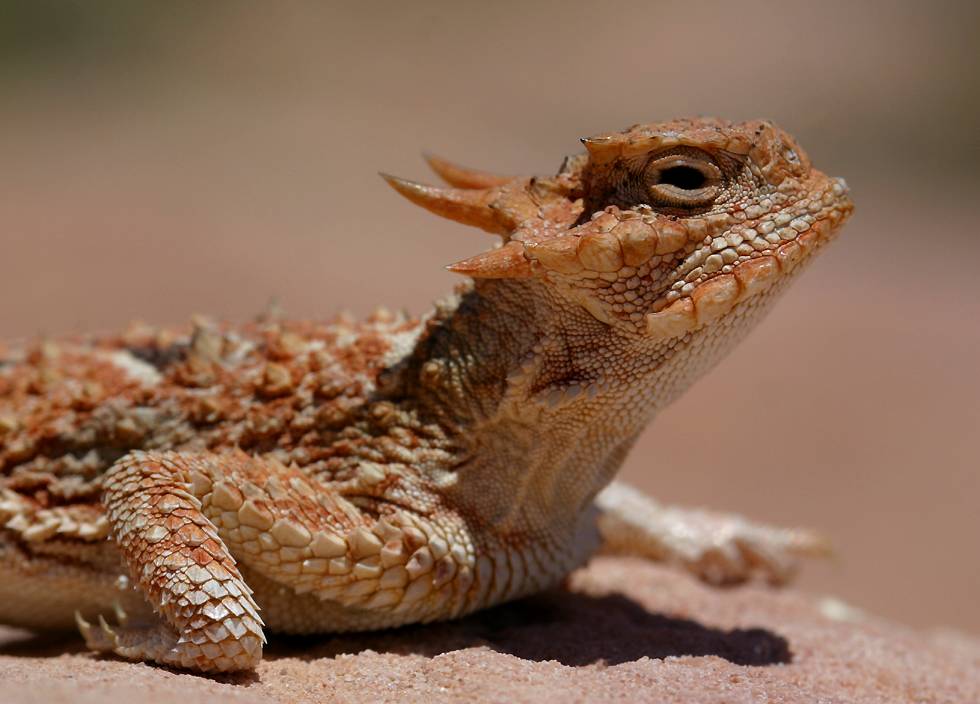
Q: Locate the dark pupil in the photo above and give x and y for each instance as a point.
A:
(684, 177)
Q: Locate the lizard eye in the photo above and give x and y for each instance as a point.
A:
(682, 181)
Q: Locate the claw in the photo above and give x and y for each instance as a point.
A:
(122, 618)
(99, 641)
(108, 631)
(776, 567)
(719, 564)
(462, 177)
(84, 627)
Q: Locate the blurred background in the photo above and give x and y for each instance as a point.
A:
(164, 159)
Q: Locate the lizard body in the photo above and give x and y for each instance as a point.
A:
(355, 475)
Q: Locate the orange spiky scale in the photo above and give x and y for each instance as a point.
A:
(602, 148)
(507, 262)
(466, 206)
(461, 176)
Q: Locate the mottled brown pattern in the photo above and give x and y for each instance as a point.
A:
(263, 387)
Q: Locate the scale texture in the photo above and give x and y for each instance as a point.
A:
(201, 484)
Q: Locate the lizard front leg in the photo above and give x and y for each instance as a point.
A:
(719, 548)
(174, 554)
(179, 518)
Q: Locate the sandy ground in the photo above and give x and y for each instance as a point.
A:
(626, 631)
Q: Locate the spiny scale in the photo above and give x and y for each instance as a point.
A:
(464, 205)
(507, 262)
(462, 177)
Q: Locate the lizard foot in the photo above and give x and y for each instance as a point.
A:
(179, 518)
(210, 621)
(212, 650)
(718, 548)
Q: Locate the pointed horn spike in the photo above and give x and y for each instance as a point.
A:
(602, 148)
(460, 176)
(594, 144)
(507, 262)
(470, 207)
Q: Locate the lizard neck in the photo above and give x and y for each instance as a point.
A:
(542, 400)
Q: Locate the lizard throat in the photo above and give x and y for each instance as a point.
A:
(545, 400)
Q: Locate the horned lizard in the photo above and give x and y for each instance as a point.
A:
(351, 475)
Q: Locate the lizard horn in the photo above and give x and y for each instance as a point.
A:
(468, 206)
(602, 148)
(462, 177)
(507, 262)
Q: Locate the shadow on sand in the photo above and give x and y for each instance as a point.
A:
(573, 629)
(570, 628)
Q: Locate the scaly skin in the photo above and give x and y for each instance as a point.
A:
(345, 475)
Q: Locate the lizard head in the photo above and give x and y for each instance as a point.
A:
(659, 229)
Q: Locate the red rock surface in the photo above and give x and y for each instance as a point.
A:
(626, 631)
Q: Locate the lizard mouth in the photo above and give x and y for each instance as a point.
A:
(717, 276)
